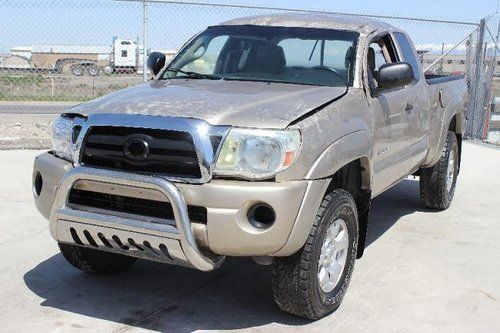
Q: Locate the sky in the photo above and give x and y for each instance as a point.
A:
(95, 22)
(467, 10)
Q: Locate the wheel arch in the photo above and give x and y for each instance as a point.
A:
(452, 119)
(354, 177)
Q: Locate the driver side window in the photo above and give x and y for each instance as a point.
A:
(380, 52)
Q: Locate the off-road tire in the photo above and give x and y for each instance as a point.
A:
(433, 181)
(94, 261)
(295, 282)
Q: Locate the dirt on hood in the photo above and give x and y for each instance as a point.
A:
(219, 102)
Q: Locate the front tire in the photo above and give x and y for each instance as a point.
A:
(94, 261)
(312, 282)
(438, 183)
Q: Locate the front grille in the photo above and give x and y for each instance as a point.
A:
(171, 153)
(129, 205)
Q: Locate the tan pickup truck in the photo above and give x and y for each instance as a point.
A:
(265, 137)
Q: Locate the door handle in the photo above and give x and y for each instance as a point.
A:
(409, 107)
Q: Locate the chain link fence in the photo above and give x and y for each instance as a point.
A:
(65, 52)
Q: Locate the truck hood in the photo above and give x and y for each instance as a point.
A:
(218, 102)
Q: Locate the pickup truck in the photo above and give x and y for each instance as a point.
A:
(264, 137)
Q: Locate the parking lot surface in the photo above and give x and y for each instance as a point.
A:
(423, 271)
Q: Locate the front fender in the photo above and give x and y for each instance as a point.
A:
(348, 148)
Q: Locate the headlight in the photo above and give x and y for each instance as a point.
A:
(63, 137)
(257, 154)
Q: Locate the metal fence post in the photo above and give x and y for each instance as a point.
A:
(144, 41)
(476, 108)
(491, 73)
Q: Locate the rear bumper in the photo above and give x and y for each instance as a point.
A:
(226, 232)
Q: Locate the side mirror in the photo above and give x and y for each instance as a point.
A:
(156, 61)
(397, 74)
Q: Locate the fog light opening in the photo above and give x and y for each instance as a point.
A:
(37, 184)
(261, 216)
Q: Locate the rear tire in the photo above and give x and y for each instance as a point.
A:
(299, 283)
(93, 70)
(437, 183)
(94, 261)
(77, 70)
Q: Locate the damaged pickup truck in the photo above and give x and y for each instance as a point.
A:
(264, 137)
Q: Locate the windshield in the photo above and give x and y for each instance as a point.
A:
(308, 56)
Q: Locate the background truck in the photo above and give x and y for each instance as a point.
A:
(123, 56)
(264, 137)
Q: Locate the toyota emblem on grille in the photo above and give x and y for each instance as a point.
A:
(136, 149)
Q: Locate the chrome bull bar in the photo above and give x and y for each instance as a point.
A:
(176, 236)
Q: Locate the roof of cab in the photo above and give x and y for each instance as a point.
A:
(313, 20)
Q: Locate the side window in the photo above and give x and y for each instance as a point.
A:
(378, 56)
(380, 52)
(408, 53)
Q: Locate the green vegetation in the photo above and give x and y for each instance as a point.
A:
(10, 79)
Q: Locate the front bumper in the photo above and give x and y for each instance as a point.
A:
(226, 232)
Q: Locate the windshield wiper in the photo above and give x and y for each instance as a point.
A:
(194, 75)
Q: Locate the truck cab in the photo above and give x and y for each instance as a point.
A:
(125, 55)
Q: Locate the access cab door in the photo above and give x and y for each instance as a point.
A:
(392, 109)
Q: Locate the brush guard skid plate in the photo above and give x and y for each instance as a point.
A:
(172, 241)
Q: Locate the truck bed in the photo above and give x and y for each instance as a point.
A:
(436, 79)
(444, 92)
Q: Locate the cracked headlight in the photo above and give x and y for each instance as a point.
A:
(64, 134)
(257, 154)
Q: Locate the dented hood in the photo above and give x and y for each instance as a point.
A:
(219, 102)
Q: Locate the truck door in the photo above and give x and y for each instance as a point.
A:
(392, 133)
(419, 97)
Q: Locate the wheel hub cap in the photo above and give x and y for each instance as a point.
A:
(333, 255)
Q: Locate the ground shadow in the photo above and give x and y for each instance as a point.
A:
(387, 208)
(168, 298)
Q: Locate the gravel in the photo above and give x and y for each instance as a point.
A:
(25, 131)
